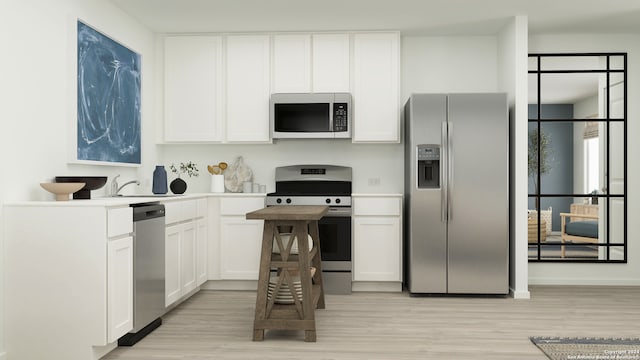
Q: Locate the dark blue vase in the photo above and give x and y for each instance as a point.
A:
(159, 180)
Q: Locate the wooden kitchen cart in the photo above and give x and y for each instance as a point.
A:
(300, 221)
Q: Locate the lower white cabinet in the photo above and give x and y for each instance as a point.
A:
(68, 278)
(185, 248)
(119, 287)
(240, 245)
(377, 238)
(234, 242)
(201, 251)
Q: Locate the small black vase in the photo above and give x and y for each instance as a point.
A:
(178, 186)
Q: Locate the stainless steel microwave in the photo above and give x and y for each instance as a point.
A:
(310, 115)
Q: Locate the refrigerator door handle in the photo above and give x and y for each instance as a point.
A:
(450, 172)
(443, 175)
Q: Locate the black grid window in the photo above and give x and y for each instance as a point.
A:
(577, 157)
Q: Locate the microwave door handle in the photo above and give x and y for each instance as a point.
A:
(331, 110)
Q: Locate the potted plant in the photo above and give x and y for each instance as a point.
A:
(179, 186)
(540, 160)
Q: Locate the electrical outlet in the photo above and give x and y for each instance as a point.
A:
(374, 181)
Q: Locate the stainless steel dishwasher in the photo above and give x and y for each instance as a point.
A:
(148, 271)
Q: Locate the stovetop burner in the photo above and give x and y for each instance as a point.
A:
(312, 185)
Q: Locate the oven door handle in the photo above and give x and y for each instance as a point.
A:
(339, 212)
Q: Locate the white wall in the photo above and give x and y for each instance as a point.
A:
(37, 83)
(602, 274)
(512, 64)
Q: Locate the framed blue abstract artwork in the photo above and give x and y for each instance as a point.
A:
(109, 117)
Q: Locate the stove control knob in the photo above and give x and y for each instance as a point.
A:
(337, 201)
(279, 201)
(288, 201)
(328, 201)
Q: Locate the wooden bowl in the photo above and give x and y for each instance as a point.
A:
(62, 190)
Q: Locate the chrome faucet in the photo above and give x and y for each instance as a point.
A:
(115, 189)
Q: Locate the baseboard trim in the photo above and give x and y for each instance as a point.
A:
(376, 286)
(520, 295)
(582, 282)
(230, 285)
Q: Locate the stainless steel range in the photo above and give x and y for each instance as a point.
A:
(323, 185)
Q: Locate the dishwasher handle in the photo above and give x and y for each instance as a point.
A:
(147, 212)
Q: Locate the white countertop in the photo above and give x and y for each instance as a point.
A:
(127, 200)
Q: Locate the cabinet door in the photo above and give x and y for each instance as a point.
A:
(331, 62)
(119, 288)
(188, 257)
(240, 245)
(201, 251)
(376, 245)
(172, 258)
(248, 90)
(193, 88)
(376, 114)
(291, 63)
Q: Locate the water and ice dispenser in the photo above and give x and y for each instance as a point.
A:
(428, 166)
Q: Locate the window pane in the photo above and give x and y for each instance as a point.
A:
(571, 89)
(533, 63)
(533, 90)
(616, 62)
(557, 158)
(616, 180)
(617, 95)
(573, 63)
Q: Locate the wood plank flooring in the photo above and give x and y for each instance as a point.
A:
(218, 325)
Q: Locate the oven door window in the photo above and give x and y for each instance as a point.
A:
(335, 238)
(301, 117)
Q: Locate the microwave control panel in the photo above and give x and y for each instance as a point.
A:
(340, 116)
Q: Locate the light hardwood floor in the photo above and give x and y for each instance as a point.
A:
(218, 325)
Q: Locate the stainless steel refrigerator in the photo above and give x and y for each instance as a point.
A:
(457, 194)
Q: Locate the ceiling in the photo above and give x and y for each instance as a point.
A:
(411, 17)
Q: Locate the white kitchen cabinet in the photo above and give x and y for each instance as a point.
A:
(172, 283)
(311, 63)
(331, 63)
(188, 257)
(376, 84)
(82, 283)
(377, 238)
(193, 89)
(292, 63)
(247, 88)
(181, 249)
(234, 243)
(201, 251)
(120, 287)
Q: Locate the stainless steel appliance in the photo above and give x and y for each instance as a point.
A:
(323, 185)
(148, 271)
(310, 115)
(456, 194)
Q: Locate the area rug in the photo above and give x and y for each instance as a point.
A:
(557, 348)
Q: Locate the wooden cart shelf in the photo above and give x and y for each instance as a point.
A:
(301, 222)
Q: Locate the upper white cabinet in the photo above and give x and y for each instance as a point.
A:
(291, 63)
(193, 88)
(217, 88)
(376, 109)
(331, 63)
(311, 63)
(248, 88)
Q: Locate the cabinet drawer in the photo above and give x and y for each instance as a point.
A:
(119, 221)
(386, 206)
(240, 206)
(177, 211)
